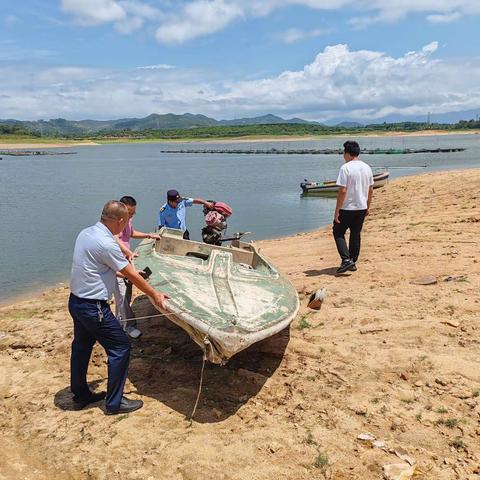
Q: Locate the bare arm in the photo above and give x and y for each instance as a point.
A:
(370, 196)
(158, 297)
(342, 193)
(126, 251)
(141, 235)
(201, 201)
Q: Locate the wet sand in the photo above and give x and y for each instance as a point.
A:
(383, 355)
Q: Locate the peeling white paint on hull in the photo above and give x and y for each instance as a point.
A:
(225, 298)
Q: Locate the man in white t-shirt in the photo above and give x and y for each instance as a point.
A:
(355, 180)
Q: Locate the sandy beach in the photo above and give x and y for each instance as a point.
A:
(386, 359)
(249, 139)
(28, 146)
(421, 133)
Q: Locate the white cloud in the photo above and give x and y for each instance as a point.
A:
(396, 10)
(160, 66)
(293, 35)
(339, 82)
(94, 12)
(444, 18)
(180, 21)
(127, 16)
(198, 18)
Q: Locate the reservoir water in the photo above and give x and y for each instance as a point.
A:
(46, 200)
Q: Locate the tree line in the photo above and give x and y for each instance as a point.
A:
(227, 131)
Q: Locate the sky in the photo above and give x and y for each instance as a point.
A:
(323, 60)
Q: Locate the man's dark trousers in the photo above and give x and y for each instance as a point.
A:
(353, 220)
(94, 321)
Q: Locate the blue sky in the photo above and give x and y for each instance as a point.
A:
(324, 60)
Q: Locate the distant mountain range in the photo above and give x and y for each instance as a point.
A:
(171, 121)
(60, 126)
(349, 124)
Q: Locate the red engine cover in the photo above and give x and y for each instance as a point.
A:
(213, 218)
(223, 208)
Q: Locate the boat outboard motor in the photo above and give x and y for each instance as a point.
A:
(216, 220)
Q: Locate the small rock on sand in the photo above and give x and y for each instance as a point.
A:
(368, 437)
(398, 471)
(402, 455)
(425, 280)
(360, 410)
(364, 331)
(455, 278)
(452, 323)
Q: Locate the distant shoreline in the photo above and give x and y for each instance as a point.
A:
(51, 143)
(26, 144)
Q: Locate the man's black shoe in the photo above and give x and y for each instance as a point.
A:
(80, 403)
(126, 406)
(346, 265)
(353, 268)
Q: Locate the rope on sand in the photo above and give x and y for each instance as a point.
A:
(199, 389)
(204, 361)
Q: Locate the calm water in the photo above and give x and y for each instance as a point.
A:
(46, 200)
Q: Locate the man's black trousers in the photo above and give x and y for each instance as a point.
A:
(94, 321)
(349, 220)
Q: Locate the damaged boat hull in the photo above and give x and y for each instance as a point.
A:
(225, 298)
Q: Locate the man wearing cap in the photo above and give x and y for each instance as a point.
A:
(173, 213)
(96, 259)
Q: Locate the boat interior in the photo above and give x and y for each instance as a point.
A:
(172, 243)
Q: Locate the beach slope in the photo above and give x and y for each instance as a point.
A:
(385, 355)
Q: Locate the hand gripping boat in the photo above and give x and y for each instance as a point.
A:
(225, 298)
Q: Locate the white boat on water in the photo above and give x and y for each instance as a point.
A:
(330, 186)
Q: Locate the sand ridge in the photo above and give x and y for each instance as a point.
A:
(383, 356)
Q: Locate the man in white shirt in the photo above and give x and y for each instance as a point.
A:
(96, 259)
(355, 181)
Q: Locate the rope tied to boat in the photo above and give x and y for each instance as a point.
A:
(206, 342)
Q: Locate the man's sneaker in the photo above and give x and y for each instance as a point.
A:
(81, 402)
(126, 406)
(353, 268)
(345, 266)
(133, 332)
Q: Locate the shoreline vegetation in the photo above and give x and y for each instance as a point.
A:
(33, 142)
(387, 368)
(18, 137)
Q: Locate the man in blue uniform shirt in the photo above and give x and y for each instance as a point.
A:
(96, 259)
(173, 213)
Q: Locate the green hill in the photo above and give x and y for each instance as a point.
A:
(62, 127)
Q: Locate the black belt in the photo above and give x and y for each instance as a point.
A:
(91, 300)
